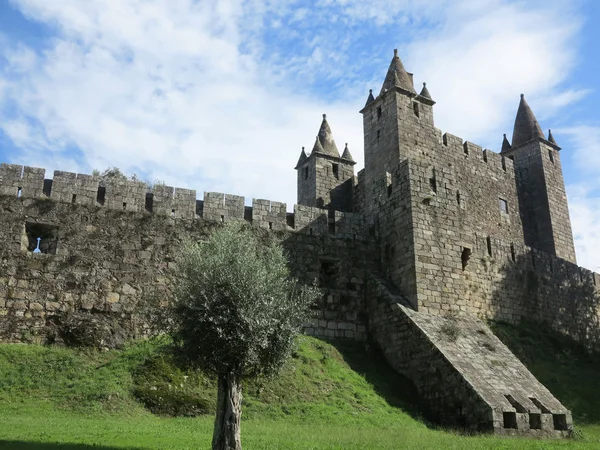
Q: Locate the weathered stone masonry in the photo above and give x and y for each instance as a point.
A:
(431, 236)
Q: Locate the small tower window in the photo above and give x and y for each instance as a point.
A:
(489, 245)
(305, 171)
(433, 183)
(465, 256)
(378, 134)
(503, 206)
(458, 198)
(379, 112)
(416, 108)
(551, 154)
(336, 171)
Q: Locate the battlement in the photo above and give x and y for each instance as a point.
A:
(178, 203)
(476, 153)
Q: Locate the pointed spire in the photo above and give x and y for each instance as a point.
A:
(370, 98)
(425, 92)
(526, 125)
(551, 138)
(346, 154)
(302, 157)
(326, 139)
(397, 76)
(318, 148)
(505, 145)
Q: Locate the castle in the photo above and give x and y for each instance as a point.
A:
(432, 236)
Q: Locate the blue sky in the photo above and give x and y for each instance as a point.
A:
(220, 95)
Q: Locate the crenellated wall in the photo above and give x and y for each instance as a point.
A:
(74, 244)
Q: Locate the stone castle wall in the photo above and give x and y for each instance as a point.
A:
(72, 245)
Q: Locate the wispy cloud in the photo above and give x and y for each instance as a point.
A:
(221, 94)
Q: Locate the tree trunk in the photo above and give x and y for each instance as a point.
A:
(226, 435)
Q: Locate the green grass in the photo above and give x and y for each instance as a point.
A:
(329, 397)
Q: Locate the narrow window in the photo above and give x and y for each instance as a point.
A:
(101, 195)
(389, 190)
(379, 112)
(149, 201)
(74, 198)
(172, 213)
(533, 260)
(306, 173)
(416, 108)
(503, 206)
(466, 255)
(19, 192)
(222, 218)
(270, 225)
(378, 134)
(336, 171)
(466, 148)
(513, 255)
(551, 154)
(504, 163)
(489, 245)
(433, 183)
(458, 198)
(124, 206)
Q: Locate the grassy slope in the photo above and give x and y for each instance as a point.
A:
(327, 398)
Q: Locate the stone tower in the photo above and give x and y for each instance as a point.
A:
(390, 121)
(326, 179)
(540, 185)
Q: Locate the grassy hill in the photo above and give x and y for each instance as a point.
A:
(331, 396)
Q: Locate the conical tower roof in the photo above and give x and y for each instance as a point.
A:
(425, 92)
(347, 155)
(317, 148)
(370, 98)
(551, 138)
(303, 156)
(397, 76)
(526, 125)
(505, 145)
(325, 138)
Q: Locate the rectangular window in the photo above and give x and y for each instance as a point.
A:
(489, 245)
(40, 238)
(433, 183)
(503, 206)
(306, 173)
(416, 108)
(551, 154)
(336, 171)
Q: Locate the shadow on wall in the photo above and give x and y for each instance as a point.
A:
(552, 291)
(21, 445)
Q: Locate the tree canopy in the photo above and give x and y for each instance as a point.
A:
(236, 313)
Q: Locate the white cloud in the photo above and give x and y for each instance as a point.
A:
(583, 142)
(195, 93)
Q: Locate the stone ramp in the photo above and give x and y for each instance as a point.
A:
(464, 374)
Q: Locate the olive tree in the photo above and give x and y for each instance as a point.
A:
(236, 314)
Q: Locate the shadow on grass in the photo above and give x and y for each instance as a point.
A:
(397, 390)
(21, 445)
(560, 363)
